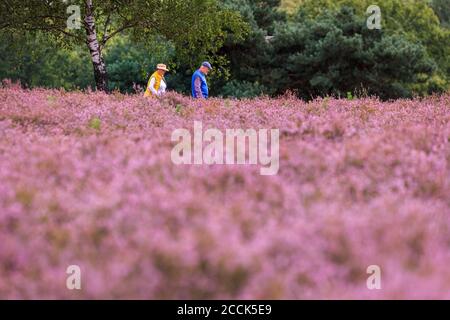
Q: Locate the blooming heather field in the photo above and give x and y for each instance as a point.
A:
(87, 179)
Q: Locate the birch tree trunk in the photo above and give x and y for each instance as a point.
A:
(100, 74)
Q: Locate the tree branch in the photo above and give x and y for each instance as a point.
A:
(121, 29)
(105, 29)
(43, 28)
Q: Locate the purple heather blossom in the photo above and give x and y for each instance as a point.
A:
(86, 179)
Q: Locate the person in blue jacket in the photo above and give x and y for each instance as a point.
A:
(199, 86)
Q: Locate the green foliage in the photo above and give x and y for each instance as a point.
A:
(250, 59)
(35, 60)
(335, 53)
(260, 14)
(413, 20)
(197, 28)
(442, 10)
(95, 123)
(130, 64)
(290, 6)
(242, 89)
(350, 96)
(318, 53)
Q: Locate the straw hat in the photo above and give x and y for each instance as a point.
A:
(162, 67)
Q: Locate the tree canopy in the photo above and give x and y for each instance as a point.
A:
(297, 56)
(197, 28)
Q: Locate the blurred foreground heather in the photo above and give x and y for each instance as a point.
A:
(86, 179)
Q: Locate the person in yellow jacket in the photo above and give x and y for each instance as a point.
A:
(157, 85)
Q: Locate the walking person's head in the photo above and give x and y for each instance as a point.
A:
(162, 69)
(206, 67)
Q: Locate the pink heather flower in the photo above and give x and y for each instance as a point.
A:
(87, 179)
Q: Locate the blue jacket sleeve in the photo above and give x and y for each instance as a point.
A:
(198, 87)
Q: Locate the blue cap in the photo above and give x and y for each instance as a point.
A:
(207, 64)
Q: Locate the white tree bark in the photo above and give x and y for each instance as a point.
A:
(100, 74)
